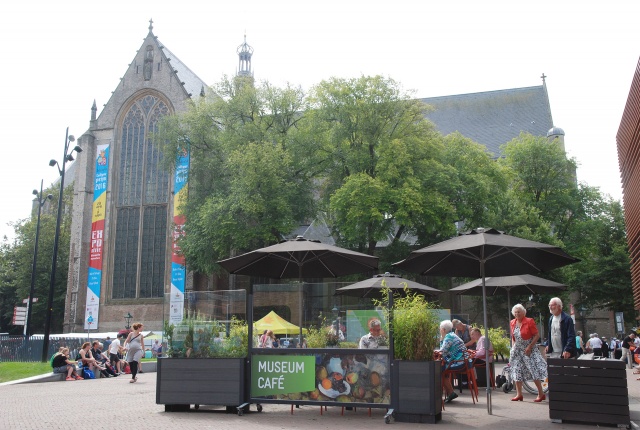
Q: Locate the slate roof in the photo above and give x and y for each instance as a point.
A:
(493, 118)
(192, 83)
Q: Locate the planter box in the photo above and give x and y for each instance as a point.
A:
(182, 382)
(416, 391)
(590, 391)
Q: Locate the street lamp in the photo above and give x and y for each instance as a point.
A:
(66, 156)
(127, 319)
(41, 200)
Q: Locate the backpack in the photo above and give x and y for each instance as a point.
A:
(88, 373)
(52, 357)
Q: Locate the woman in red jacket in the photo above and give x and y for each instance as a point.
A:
(526, 362)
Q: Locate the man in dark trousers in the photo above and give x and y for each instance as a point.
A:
(562, 333)
(627, 356)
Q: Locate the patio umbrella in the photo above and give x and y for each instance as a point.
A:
(483, 252)
(519, 284)
(300, 258)
(373, 286)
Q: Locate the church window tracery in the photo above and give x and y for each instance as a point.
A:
(141, 205)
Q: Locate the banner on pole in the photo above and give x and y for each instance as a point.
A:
(97, 237)
(178, 267)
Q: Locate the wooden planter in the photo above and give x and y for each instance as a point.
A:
(416, 391)
(182, 382)
(590, 391)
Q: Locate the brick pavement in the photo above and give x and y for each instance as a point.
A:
(63, 405)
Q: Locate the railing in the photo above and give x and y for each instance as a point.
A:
(17, 348)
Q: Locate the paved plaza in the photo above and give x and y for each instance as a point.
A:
(115, 403)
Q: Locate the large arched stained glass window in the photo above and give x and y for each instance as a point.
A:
(141, 206)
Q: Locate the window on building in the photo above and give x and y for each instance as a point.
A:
(141, 205)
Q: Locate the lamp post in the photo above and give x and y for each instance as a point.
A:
(127, 319)
(41, 200)
(66, 156)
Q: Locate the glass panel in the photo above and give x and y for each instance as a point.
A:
(125, 253)
(215, 325)
(333, 369)
(153, 252)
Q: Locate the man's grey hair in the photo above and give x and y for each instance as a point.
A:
(557, 301)
(374, 323)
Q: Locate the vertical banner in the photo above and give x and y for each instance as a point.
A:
(178, 269)
(97, 237)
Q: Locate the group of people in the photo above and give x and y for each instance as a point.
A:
(526, 361)
(91, 357)
(457, 340)
(268, 339)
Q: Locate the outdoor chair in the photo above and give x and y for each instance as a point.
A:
(468, 370)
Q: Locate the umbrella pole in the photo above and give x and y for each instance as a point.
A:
(300, 292)
(509, 314)
(486, 338)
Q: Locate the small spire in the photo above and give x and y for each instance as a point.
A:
(94, 110)
(245, 51)
(543, 78)
(150, 25)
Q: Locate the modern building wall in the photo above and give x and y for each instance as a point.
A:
(628, 141)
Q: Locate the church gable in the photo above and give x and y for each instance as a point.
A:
(153, 68)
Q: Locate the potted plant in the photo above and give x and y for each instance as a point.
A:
(417, 389)
(201, 367)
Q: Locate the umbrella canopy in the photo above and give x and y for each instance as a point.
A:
(519, 284)
(483, 252)
(300, 258)
(372, 286)
(496, 253)
(274, 322)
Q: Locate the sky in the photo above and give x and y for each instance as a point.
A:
(58, 57)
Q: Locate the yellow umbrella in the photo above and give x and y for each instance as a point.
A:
(274, 322)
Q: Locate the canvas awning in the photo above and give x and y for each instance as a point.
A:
(274, 322)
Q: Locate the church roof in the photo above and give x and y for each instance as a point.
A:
(191, 82)
(493, 118)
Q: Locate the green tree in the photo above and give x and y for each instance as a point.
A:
(543, 177)
(475, 183)
(377, 158)
(246, 184)
(598, 238)
(16, 261)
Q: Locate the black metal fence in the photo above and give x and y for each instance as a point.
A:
(17, 348)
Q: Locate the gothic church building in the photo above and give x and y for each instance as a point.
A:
(123, 209)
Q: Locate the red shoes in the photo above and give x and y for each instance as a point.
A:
(540, 398)
(517, 399)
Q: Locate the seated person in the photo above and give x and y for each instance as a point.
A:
(335, 331)
(451, 351)
(62, 364)
(102, 359)
(87, 360)
(375, 338)
(481, 353)
(156, 350)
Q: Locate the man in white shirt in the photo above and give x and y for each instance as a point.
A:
(114, 348)
(562, 334)
(375, 338)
